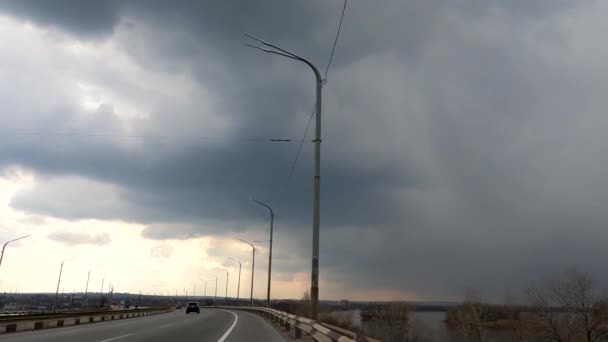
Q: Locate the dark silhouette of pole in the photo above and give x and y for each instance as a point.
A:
(270, 249)
(7, 242)
(111, 289)
(316, 212)
(59, 282)
(86, 289)
(101, 292)
(215, 296)
(252, 269)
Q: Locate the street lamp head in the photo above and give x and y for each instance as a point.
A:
(281, 52)
(256, 39)
(259, 48)
(249, 243)
(19, 238)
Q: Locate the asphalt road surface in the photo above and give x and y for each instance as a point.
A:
(211, 325)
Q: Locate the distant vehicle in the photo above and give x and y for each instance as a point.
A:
(365, 316)
(178, 306)
(193, 307)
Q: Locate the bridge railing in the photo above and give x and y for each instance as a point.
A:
(297, 326)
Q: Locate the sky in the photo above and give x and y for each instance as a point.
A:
(463, 145)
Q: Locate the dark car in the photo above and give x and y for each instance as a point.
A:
(178, 306)
(193, 307)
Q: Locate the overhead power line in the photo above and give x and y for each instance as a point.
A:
(333, 49)
(146, 136)
(295, 161)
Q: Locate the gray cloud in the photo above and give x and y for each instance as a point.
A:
(83, 238)
(463, 143)
(87, 19)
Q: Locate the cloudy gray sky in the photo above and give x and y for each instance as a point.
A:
(462, 141)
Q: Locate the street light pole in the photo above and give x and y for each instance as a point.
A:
(57, 291)
(215, 296)
(86, 289)
(316, 213)
(270, 249)
(7, 242)
(238, 288)
(111, 291)
(252, 268)
(58, 282)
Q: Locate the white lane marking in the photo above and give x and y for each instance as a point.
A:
(166, 325)
(227, 333)
(115, 338)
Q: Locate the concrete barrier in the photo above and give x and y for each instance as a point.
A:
(41, 322)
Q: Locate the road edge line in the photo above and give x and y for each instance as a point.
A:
(227, 333)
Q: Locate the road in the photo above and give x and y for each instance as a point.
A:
(211, 325)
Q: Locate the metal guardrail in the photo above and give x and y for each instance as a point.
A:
(320, 332)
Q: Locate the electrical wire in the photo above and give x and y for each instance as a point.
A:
(331, 57)
(142, 136)
(333, 49)
(295, 161)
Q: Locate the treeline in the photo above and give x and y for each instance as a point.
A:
(566, 309)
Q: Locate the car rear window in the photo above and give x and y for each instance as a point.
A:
(192, 304)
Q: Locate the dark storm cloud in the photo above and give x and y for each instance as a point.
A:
(89, 19)
(445, 163)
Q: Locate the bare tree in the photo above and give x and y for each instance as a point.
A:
(393, 319)
(516, 320)
(577, 295)
(303, 307)
(547, 323)
(469, 317)
(569, 309)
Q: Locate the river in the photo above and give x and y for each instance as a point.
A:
(431, 323)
